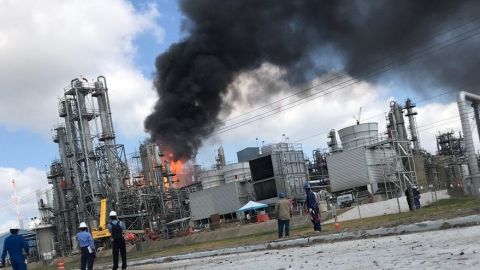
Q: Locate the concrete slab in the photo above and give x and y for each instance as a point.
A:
(388, 207)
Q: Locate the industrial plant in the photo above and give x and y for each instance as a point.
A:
(158, 196)
(93, 175)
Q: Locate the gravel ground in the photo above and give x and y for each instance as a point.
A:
(457, 248)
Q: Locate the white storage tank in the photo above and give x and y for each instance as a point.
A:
(357, 135)
(236, 172)
(212, 178)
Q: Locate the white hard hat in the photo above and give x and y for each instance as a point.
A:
(83, 225)
(15, 227)
(113, 214)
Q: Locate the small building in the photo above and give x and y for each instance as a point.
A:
(247, 154)
(280, 168)
(223, 200)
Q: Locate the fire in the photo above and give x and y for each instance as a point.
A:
(176, 167)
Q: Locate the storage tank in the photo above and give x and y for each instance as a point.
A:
(357, 135)
(212, 178)
(236, 172)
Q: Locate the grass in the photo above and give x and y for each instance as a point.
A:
(447, 208)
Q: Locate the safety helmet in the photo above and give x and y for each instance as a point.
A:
(113, 214)
(15, 227)
(281, 195)
(306, 185)
(83, 225)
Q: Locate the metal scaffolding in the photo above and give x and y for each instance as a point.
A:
(91, 166)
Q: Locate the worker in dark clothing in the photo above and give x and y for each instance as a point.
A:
(87, 247)
(14, 244)
(313, 208)
(410, 198)
(116, 228)
(416, 197)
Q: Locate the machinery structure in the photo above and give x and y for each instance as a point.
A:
(92, 175)
(92, 165)
(382, 164)
(153, 198)
(151, 191)
(449, 167)
(318, 171)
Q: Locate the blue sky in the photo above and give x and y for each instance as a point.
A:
(170, 19)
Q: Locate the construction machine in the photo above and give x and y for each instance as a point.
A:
(102, 230)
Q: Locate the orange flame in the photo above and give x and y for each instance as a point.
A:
(176, 166)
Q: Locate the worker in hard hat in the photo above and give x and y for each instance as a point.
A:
(117, 228)
(312, 206)
(283, 209)
(87, 247)
(14, 245)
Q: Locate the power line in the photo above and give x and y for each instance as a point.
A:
(326, 81)
(423, 100)
(433, 48)
(23, 197)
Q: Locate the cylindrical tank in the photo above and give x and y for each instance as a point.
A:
(236, 172)
(357, 135)
(212, 178)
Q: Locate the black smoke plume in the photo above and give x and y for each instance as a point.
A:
(227, 37)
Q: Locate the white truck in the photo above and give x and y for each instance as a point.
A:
(345, 200)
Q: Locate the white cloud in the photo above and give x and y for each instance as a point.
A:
(45, 44)
(27, 182)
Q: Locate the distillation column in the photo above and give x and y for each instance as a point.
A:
(60, 209)
(398, 122)
(87, 156)
(107, 134)
(71, 217)
(72, 151)
(409, 105)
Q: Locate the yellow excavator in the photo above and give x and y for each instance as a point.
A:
(102, 230)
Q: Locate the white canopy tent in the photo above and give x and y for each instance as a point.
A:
(251, 205)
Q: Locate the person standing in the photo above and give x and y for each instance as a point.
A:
(410, 198)
(313, 208)
(284, 212)
(87, 247)
(14, 245)
(416, 197)
(116, 228)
